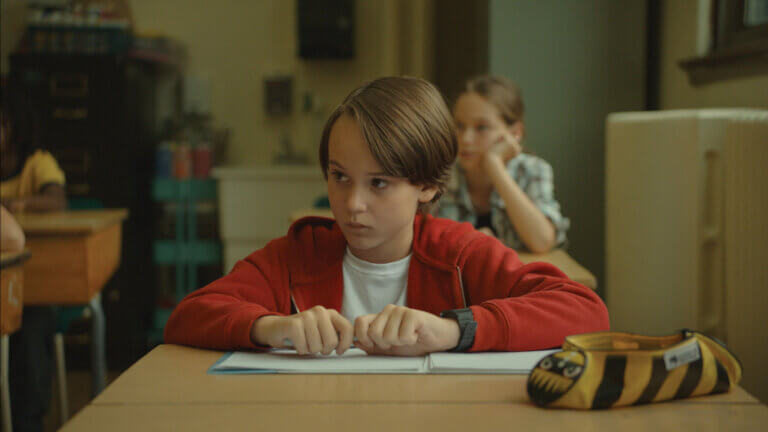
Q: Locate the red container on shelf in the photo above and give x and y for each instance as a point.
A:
(201, 160)
(182, 162)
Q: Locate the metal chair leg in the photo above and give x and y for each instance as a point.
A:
(4, 391)
(61, 376)
(98, 346)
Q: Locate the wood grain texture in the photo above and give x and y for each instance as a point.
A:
(415, 416)
(169, 389)
(177, 374)
(70, 267)
(11, 298)
(560, 259)
(69, 222)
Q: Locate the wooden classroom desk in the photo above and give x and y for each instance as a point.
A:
(419, 417)
(169, 389)
(74, 253)
(557, 257)
(560, 259)
(11, 305)
(11, 290)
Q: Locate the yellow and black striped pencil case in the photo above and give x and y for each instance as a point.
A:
(611, 369)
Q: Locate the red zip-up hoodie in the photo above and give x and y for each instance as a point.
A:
(517, 307)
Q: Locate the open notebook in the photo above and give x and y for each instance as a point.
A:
(356, 361)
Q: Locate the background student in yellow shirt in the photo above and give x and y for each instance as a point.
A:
(31, 181)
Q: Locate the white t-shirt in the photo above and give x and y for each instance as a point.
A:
(368, 287)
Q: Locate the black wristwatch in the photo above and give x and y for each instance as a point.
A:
(467, 327)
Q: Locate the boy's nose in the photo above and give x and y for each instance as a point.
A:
(356, 200)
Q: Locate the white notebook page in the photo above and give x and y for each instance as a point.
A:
(353, 360)
(357, 361)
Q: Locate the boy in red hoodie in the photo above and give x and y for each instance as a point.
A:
(385, 274)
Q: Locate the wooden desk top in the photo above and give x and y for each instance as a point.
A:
(560, 259)
(69, 221)
(177, 374)
(74, 253)
(8, 259)
(11, 290)
(169, 389)
(416, 416)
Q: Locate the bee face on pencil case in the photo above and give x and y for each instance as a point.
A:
(611, 369)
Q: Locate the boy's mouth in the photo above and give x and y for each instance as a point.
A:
(355, 225)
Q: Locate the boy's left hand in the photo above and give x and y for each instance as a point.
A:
(402, 331)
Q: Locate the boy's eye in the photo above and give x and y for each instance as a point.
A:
(338, 176)
(482, 128)
(379, 183)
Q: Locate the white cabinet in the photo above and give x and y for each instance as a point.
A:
(255, 204)
(686, 231)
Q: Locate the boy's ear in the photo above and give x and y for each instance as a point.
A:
(427, 193)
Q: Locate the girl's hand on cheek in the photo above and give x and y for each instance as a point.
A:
(505, 147)
(487, 231)
(402, 331)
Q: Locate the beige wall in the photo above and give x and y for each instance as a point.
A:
(576, 62)
(236, 43)
(679, 41)
(12, 21)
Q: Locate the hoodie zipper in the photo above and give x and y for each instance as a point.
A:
(290, 290)
(461, 285)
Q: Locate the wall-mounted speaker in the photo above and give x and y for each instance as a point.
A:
(326, 29)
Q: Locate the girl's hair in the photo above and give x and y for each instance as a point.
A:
(407, 126)
(500, 92)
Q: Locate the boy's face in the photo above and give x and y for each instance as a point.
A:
(375, 211)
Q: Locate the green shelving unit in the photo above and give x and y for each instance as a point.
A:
(185, 251)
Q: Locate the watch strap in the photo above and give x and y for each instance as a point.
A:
(467, 327)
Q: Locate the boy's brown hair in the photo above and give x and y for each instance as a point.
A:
(407, 127)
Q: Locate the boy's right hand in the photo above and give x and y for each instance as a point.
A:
(316, 330)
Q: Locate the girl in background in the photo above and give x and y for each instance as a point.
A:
(496, 187)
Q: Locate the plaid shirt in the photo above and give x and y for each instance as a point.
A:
(535, 178)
